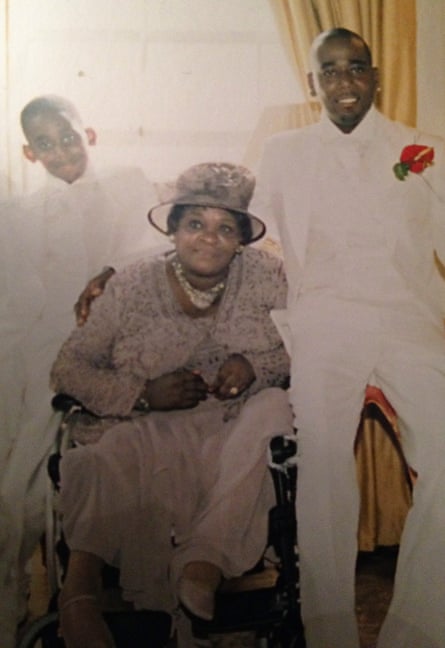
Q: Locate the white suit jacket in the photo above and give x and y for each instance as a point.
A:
(287, 183)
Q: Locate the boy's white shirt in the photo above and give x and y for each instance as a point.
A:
(53, 241)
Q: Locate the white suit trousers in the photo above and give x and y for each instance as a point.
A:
(337, 348)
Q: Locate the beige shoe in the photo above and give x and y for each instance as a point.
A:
(197, 587)
(82, 624)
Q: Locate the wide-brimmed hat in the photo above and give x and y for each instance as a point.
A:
(211, 184)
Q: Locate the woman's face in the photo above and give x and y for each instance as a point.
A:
(206, 240)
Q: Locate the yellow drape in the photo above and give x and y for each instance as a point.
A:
(389, 27)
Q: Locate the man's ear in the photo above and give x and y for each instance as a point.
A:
(91, 136)
(311, 83)
(29, 153)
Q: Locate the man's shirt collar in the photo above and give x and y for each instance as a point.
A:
(363, 132)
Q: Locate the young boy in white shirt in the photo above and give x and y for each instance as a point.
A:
(54, 240)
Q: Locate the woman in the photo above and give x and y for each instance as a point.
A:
(181, 358)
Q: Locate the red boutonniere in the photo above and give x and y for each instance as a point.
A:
(415, 158)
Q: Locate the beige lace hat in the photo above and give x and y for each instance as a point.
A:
(211, 184)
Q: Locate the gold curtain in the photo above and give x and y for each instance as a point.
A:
(390, 30)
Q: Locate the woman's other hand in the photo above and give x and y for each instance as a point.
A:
(177, 390)
(235, 375)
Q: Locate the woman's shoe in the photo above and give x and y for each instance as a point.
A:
(197, 587)
(82, 624)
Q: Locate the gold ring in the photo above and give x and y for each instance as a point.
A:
(233, 391)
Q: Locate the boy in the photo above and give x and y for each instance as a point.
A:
(54, 240)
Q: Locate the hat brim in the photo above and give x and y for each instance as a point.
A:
(157, 216)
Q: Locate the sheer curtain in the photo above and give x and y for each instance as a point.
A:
(390, 30)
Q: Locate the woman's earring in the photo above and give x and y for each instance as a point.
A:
(171, 237)
(239, 249)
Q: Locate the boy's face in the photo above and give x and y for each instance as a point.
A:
(53, 141)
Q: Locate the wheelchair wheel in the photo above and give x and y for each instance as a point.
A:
(42, 633)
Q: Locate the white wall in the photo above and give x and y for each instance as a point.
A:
(431, 66)
(166, 83)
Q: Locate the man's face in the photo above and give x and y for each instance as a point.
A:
(53, 141)
(344, 80)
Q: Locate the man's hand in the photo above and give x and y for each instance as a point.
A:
(181, 389)
(93, 289)
(235, 375)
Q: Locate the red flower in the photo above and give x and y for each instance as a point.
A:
(415, 158)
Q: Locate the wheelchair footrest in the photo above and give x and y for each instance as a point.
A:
(139, 629)
(135, 629)
(238, 611)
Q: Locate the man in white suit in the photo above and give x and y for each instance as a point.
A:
(358, 236)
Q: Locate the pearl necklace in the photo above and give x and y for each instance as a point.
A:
(202, 299)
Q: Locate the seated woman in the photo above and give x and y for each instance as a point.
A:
(181, 358)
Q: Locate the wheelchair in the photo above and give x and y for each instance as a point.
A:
(270, 610)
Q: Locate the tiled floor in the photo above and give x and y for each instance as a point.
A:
(375, 573)
(374, 585)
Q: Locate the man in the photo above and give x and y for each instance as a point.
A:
(53, 242)
(358, 238)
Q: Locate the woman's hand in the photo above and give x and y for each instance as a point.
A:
(235, 375)
(177, 390)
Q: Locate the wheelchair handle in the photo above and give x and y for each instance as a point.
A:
(64, 403)
(282, 448)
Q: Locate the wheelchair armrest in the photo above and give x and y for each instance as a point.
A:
(53, 468)
(64, 403)
(282, 449)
